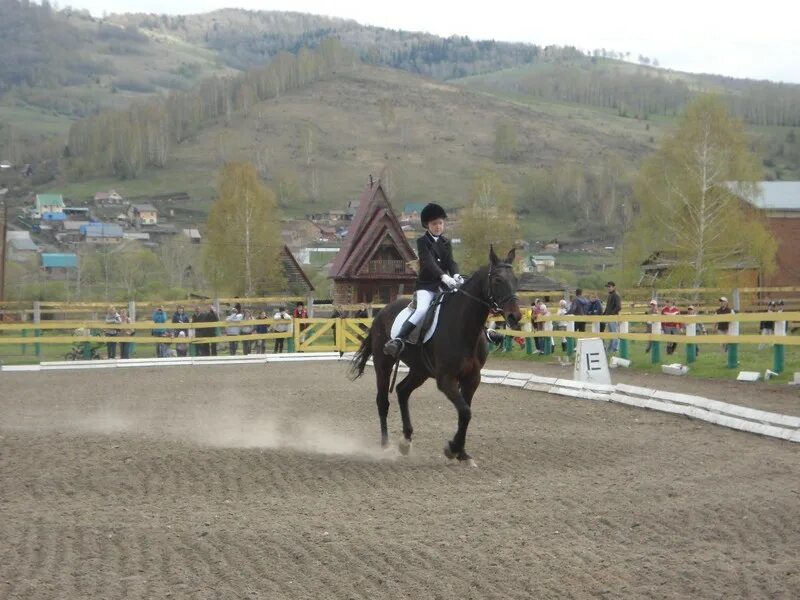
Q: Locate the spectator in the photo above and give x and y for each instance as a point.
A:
(125, 347)
(670, 328)
(562, 325)
(613, 308)
(723, 326)
(699, 328)
(181, 348)
(281, 327)
(262, 329)
(246, 330)
(234, 317)
(539, 311)
(362, 312)
(112, 318)
(579, 306)
(649, 327)
(179, 316)
(595, 305)
(767, 327)
(159, 316)
(300, 312)
(211, 332)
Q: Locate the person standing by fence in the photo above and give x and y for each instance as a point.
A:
(767, 327)
(723, 326)
(180, 316)
(246, 330)
(125, 347)
(579, 306)
(613, 308)
(159, 316)
(671, 328)
(262, 329)
(234, 317)
(112, 318)
(649, 326)
(283, 325)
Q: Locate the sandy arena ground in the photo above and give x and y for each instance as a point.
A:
(266, 482)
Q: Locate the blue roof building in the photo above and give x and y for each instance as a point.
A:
(59, 261)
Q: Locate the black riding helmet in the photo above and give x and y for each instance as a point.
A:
(431, 212)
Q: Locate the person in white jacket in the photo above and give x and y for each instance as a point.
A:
(281, 327)
(234, 317)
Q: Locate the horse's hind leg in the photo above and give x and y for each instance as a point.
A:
(449, 386)
(383, 373)
(410, 382)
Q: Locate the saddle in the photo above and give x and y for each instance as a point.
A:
(429, 320)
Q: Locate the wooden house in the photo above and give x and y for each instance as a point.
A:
(374, 262)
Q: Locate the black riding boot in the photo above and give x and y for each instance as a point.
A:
(394, 347)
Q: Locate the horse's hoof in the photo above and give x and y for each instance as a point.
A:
(448, 452)
(404, 446)
(385, 442)
(467, 462)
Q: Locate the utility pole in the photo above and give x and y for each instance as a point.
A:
(3, 251)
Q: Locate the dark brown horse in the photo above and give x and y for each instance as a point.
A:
(455, 354)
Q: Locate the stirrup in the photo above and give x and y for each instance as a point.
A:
(394, 347)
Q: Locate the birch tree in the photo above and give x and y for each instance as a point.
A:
(691, 212)
(489, 219)
(244, 240)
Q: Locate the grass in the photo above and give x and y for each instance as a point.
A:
(711, 362)
(35, 120)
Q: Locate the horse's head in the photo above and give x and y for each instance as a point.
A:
(502, 287)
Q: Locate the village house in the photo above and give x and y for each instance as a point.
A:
(109, 197)
(47, 207)
(142, 214)
(779, 203)
(374, 264)
(59, 264)
(19, 245)
(101, 233)
(193, 235)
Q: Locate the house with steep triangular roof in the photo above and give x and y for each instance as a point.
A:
(374, 262)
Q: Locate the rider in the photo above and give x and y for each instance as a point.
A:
(436, 269)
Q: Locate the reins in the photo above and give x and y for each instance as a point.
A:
(492, 304)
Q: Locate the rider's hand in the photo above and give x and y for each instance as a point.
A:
(449, 281)
(459, 279)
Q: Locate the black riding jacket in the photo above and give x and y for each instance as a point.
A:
(435, 259)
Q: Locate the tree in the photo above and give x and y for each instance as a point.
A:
(505, 140)
(489, 219)
(244, 238)
(690, 214)
(387, 112)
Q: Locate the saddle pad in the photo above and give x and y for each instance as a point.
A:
(403, 316)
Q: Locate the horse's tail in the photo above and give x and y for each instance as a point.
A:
(359, 362)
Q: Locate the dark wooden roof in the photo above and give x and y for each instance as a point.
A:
(373, 222)
(536, 282)
(296, 278)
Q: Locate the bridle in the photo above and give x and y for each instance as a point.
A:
(492, 304)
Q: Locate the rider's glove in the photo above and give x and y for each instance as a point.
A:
(449, 281)
(459, 279)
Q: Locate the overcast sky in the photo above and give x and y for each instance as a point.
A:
(755, 39)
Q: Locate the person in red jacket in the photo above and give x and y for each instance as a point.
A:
(671, 328)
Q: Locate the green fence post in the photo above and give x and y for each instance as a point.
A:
(733, 349)
(508, 342)
(290, 344)
(570, 340)
(547, 346)
(529, 345)
(24, 346)
(778, 359)
(37, 318)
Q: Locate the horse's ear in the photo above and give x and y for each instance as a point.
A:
(493, 260)
(511, 255)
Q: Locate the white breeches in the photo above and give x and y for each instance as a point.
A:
(424, 299)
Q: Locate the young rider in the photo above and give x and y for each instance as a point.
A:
(437, 269)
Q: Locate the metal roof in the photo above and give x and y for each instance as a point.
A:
(777, 195)
(49, 200)
(21, 244)
(60, 261)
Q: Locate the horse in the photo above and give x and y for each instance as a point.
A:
(454, 355)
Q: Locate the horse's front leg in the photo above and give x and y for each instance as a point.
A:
(410, 382)
(449, 386)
